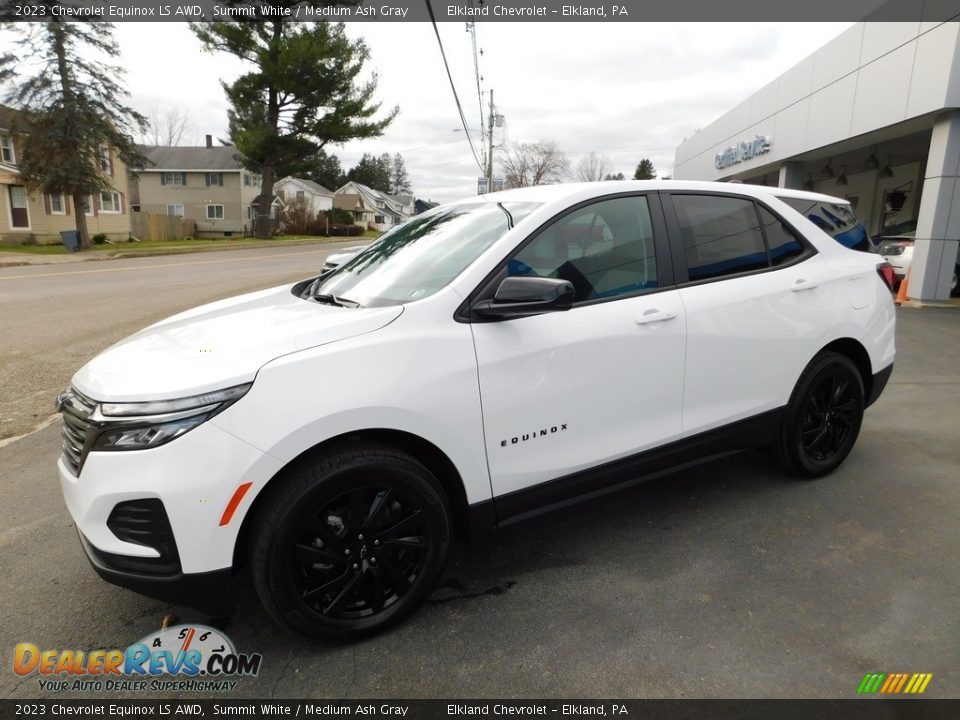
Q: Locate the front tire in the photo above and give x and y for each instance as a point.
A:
(351, 542)
(822, 419)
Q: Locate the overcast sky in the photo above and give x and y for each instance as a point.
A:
(624, 90)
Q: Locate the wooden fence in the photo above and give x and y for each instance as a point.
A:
(154, 226)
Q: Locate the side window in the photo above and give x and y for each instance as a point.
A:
(721, 235)
(781, 240)
(605, 249)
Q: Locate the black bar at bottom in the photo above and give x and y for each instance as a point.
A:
(853, 709)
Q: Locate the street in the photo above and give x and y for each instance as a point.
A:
(54, 318)
(728, 580)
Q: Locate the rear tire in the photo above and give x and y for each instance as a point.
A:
(822, 419)
(351, 542)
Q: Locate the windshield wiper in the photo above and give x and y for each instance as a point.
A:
(327, 299)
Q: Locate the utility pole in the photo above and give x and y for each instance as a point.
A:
(490, 144)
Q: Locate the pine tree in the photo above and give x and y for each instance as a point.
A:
(327, 171)
(645, 171)
(303, 93)
(399, 179)
(73, 109)
(372, 171)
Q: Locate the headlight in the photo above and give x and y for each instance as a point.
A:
(142, 425)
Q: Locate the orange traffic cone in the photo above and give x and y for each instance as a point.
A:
(902, 291)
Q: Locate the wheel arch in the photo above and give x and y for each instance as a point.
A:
(431, 456)
(857, 353)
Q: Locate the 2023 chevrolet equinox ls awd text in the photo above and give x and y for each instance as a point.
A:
(485, 360)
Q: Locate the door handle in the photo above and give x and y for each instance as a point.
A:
(654, 316)
(801, 284)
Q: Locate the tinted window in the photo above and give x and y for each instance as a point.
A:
(835, 219)
(721, 235)
(605, 249)
(781, 241)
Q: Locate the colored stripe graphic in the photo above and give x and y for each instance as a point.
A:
(894, 683)
(871, 682)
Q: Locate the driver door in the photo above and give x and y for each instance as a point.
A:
(563, 392)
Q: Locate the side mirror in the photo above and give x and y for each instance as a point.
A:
(525, 296)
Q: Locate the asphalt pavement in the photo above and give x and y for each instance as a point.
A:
(728, 580)
(55, 317)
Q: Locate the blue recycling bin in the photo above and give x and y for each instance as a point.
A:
(71, 240)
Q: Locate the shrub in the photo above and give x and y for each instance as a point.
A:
(99, 239)
(298, 219)
(339, 216)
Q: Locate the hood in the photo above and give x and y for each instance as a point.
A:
(220, 345)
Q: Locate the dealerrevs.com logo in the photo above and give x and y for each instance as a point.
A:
(184, 658)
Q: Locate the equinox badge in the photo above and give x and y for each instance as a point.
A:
(544, 432)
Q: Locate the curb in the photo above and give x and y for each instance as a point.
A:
(122, 255)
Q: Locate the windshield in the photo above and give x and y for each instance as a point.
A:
(416, 259)
(835, 219)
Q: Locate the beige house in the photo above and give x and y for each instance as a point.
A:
(205, 184)
(34, 217)
(371, 208)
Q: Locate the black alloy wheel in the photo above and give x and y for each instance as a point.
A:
(350, 543)
(361, 552)
(822, 420)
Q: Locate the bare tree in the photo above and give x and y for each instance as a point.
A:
(593, 167)
(170, 126)
(538, 163)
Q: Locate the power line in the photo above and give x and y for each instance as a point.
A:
(456, 98)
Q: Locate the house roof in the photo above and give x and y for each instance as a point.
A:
(182, 157)
(309, 184)
(372, 197)
(349, 201)
(403, 198)
(7, 116)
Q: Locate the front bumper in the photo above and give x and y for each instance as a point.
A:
(211, 592)
(187, 557)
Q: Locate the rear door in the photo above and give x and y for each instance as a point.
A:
(752, 291)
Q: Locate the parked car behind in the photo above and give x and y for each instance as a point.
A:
(339, 257)
(897, 243)
(485, 361)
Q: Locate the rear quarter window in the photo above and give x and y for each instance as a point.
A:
(836, 219)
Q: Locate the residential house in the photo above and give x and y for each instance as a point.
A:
(35, 217)
(371, 208)
(205, 184)
(316, 196)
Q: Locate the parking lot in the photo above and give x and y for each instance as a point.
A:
(725, 581)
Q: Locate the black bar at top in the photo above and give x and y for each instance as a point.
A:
(490, 10)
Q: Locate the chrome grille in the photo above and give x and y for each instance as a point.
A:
(75, 410)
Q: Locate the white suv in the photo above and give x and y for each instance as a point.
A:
(484, 361)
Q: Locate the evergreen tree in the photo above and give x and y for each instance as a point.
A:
(327, 171)
(304, 92)
(372, 171)
(399, 179)
(74, 117)
(645, 171)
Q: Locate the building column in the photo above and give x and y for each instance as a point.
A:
(938, 224)
(791, 175)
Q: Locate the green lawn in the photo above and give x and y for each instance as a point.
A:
(194, 244)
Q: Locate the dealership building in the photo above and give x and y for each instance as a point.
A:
(874, 117)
